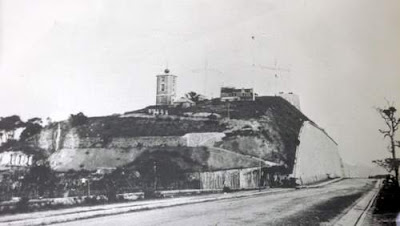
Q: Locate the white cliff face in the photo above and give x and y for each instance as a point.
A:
(46, 140)
(317, 156)
(58, 137)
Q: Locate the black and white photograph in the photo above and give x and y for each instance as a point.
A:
(199, 112)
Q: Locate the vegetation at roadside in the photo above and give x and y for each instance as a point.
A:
(387, 204)
(392, 122)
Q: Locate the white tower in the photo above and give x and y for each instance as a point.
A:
(166, 88)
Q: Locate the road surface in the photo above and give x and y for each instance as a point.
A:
(300, 207)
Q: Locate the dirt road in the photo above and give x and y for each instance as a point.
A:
(300, 207)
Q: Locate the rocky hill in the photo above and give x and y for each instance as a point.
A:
(202, 137)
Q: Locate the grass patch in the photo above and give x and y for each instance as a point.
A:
(387, 204)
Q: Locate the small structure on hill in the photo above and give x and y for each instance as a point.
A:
(15, 159)
(184, 102)
(166, 88)
(158, 110)
(233, 94)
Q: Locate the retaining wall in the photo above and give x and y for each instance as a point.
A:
(317, 156)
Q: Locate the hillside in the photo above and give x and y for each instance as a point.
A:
(267, 128)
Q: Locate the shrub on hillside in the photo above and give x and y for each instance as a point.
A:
(33, 127)
(22, 205)
(40, 180)
(212, 117)
(226, 189)
(78, 119)
(10, 122)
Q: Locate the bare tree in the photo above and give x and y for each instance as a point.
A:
(392, 121)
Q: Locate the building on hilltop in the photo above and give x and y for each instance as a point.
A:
(233, 94)
(166, 88)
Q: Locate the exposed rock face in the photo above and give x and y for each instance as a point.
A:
(91, 153)
(54, 137)
(268, 129)
(91, 158)
(47, 140)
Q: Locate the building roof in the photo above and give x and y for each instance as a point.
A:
(167, 75)
(233, 89)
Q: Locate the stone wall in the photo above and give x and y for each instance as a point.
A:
(317, 156)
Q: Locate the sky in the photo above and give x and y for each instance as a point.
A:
(101, 57)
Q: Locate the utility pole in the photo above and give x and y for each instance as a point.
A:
(155, 175)
(276, 70)
(229, 114)
(88, 184)
(277, 74)
(84, 181)
(259, 182)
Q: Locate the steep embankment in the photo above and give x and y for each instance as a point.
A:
(267, 128)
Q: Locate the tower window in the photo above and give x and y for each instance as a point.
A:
(162, 87)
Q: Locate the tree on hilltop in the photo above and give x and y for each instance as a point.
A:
(10, 122)
(195, 97)
(33, 127)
